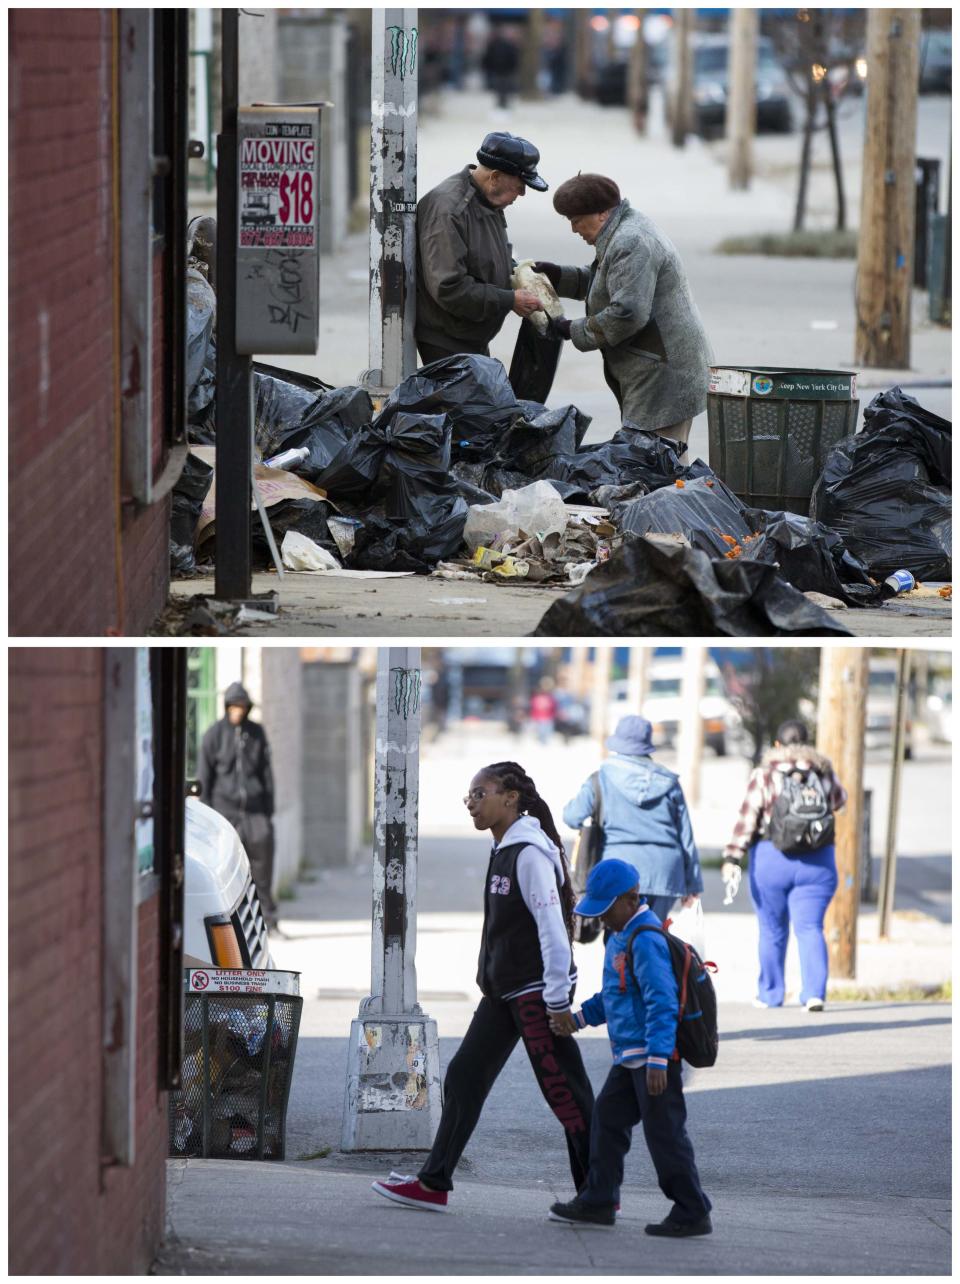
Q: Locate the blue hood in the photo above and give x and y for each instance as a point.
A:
(640, 780)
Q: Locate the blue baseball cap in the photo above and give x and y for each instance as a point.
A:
(607, 880)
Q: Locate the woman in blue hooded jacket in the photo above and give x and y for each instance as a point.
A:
(645, 818)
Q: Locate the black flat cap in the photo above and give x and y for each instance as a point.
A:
(512, 155)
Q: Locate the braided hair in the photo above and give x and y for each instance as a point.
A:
(510, 776)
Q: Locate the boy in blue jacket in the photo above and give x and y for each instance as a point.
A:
(639, 1004)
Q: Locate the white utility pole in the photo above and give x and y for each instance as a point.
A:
(690, 738)
(638, 678)
(600, 695)
(393, 1072)
(393, 198)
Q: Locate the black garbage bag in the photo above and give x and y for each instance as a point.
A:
(473, 391)
(930, 437)
(703, 509)
(400, 462)
(189, 493)
(534, 363)
(630, 455)
(384, 543)
(811, 557)
(654, 586)
(201, 350)
(532, 443)
(307, 516)
(296, 410)
(886, 491)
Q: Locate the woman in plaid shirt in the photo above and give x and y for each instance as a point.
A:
(786, 889)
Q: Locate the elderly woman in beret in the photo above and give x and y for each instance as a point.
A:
(640, 312)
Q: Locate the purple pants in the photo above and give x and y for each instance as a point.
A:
(792, 890)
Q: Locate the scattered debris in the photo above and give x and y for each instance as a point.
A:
(465, 473)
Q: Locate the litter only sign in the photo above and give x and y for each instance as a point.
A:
(783, 384)
(229, 980)
(278, 236)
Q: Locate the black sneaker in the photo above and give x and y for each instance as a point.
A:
(680, 1230)
(577, 1213)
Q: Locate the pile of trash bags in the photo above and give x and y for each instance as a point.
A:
(887, 491)
(455, 474)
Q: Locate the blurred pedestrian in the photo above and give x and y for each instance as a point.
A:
(464, 259)
(645, 818)
(639, 1003)
(790, 801)
(236, 779)
(526, 972)
(501, 62)
(543, 712)
(640, 311)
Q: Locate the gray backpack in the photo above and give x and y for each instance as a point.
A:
(801, 820)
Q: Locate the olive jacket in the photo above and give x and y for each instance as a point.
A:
(642, 317)
(464, 261)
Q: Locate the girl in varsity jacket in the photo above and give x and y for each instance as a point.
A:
(525, 974)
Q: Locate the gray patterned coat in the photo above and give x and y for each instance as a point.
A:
(642, 317)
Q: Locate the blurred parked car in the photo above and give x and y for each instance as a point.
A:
(940, 716)
(611, 78)
(936, 62)
(711, 61)
(664, 705)
(223, 924)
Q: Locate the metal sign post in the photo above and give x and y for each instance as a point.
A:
(393, 1073)
(393, 198)
(233, 549)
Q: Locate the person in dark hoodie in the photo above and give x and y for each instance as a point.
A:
(645, 818)
(236, 779)
(784, 888)
(526, 974)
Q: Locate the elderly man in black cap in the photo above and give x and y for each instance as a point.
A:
(640, 312)
(464, 259)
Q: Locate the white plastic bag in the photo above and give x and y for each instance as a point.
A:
(536, 509)
(688, 925)
(300, 553)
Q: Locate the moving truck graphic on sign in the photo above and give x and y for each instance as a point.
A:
(260, 208)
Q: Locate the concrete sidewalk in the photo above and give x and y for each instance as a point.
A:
(822, 1142)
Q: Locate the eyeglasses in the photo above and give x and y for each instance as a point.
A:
(478, 795)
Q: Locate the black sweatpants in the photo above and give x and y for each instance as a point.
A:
(493, 1033)
(622, 1104)
(256, 834)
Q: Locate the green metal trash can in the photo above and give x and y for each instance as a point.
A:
(771, 430)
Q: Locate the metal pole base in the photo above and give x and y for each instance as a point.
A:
(393, 1096)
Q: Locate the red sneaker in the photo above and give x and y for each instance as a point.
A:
(409, 1191)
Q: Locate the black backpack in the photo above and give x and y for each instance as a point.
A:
(801, 820)
(698, 1039)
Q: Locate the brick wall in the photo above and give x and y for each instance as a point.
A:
(67, 1215)
(62, 500)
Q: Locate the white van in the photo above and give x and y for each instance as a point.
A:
(222, 920)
